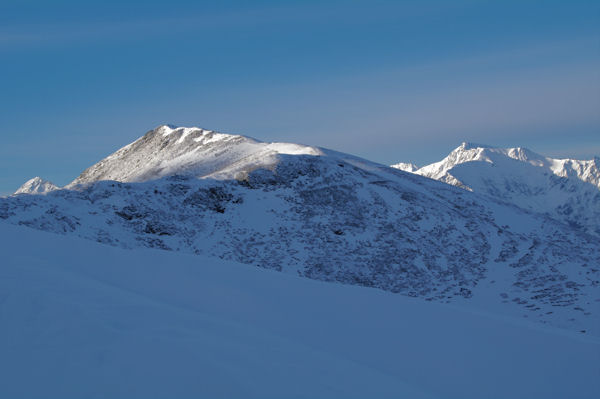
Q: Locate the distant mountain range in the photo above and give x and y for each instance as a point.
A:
(565, 189)
(519, 234)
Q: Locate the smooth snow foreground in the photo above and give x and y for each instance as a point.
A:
(79, 319)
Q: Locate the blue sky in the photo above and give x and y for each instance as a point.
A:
(387, 80)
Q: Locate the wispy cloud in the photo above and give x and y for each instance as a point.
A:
(477, 96)
(516, 95)
(534, 100)
(139, 26)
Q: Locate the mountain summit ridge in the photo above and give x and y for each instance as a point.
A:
(168, 150)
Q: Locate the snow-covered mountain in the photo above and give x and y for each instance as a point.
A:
(329, 216)
(407, 167)
(37, 185)
(565, 189)
(169, 150)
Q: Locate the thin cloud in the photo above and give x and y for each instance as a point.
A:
(142, 27)
(449, 100)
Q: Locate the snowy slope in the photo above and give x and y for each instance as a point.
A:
(566, 189)
(332, 217)
(80, 319)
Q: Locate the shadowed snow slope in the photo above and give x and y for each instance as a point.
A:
(80, 319)
(566, 189)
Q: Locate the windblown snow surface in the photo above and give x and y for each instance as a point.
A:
(81, 319)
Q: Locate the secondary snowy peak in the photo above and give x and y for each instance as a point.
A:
(585, 170)
(566, 189)
(407, 167)
(470, 152)
(37, 185)
(170, 150)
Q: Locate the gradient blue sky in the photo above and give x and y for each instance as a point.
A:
(387, 80)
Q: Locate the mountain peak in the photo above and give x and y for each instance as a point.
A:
(180, 132)
(37, 185)
(406, 166)
(466, 145)
(513, 152)
(169, 150)
(468, 151)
